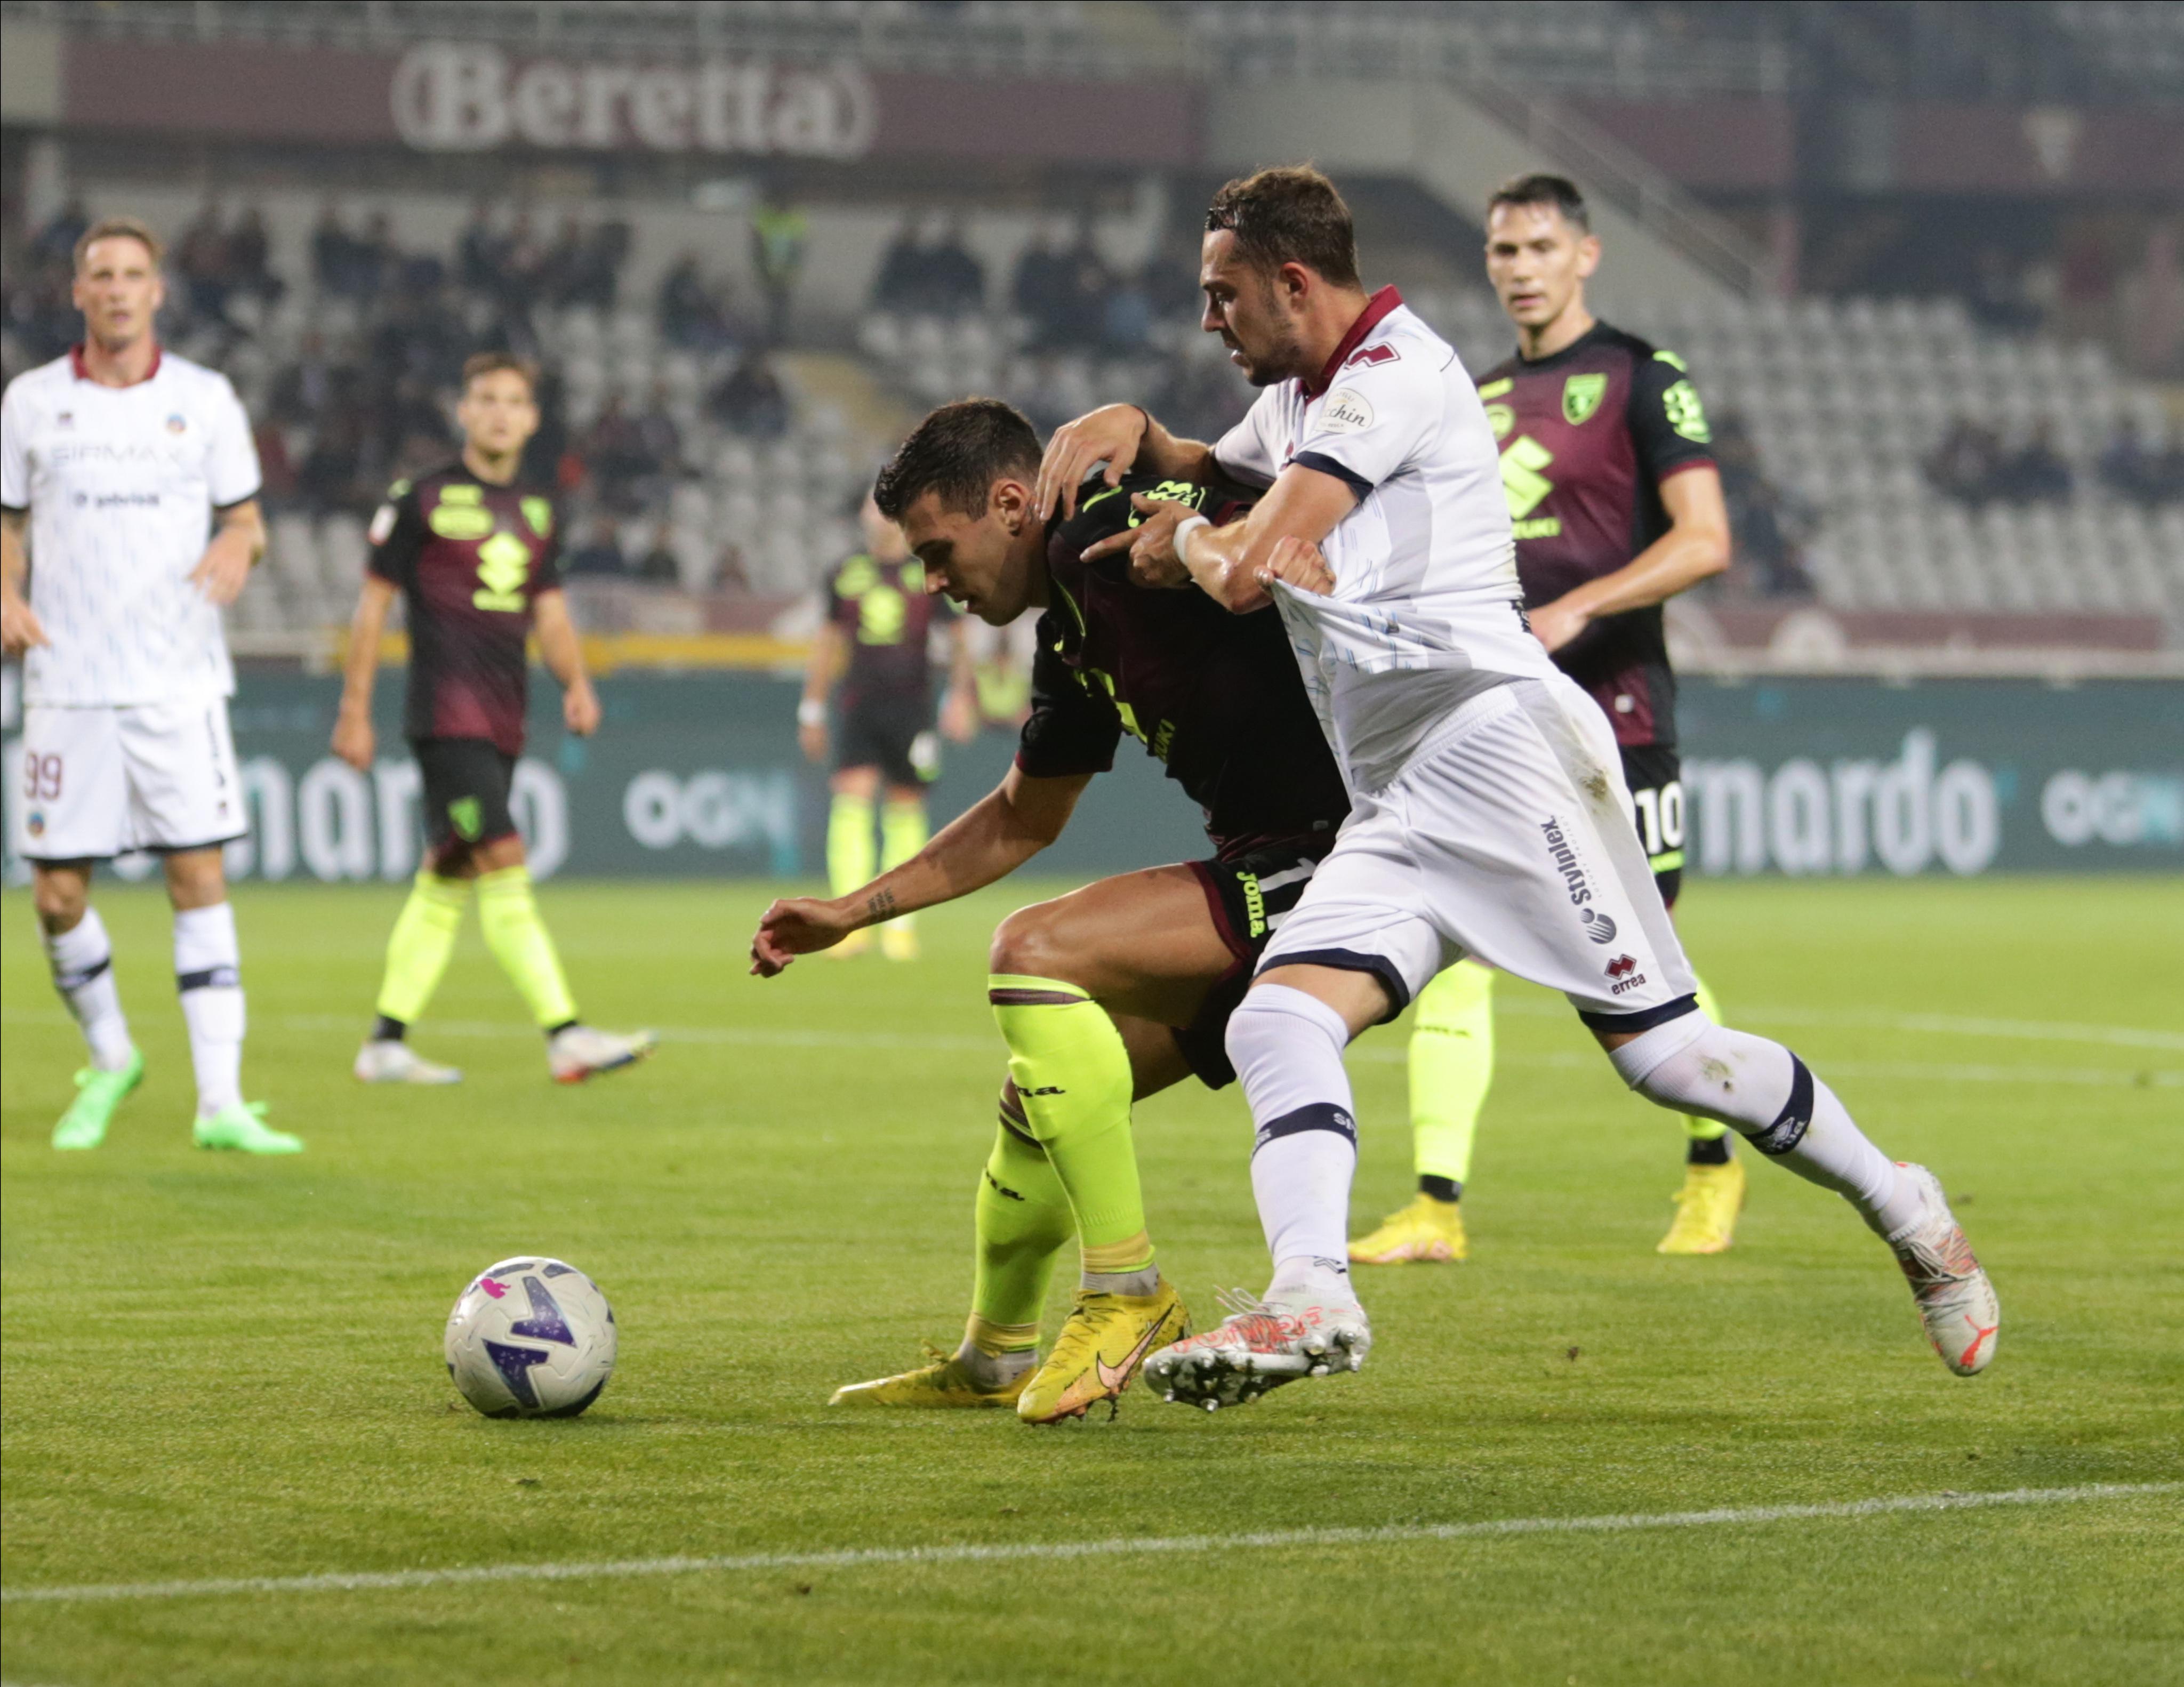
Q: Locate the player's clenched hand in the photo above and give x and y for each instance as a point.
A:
(224, 570)
(1299, 562)
(801, 925)
(1151, 544)
(19, 628)
(580, 708)
(1109, 435)
(1554, 625)
(353, 739)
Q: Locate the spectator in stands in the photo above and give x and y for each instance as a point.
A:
(751, 401)
(899, 283)
(2036, 474)
(779, 236)
(955, 279)
(561, 267)
(1038, 291)
(375, 254)
(2136, 467)
(56, 242)
(1081, 318)
(1998, 296)
(200, 258)
(479, 252)
(250, 257)
(276, 468)
(614, 451)
(332, 264)
(332, 476)
(600, 553)
(1966, 466)
(1760, 518)
(690, 317)
(659, 564)
(1126, 315)
(522, 269)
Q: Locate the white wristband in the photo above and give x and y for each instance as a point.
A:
(1183, 530)
(811, 712)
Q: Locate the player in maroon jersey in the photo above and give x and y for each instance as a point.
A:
(1123, 988)
(1608, 468)
(475, 556)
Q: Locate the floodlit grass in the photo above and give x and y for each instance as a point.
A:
(217, 1367)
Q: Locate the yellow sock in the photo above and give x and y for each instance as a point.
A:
(422, 940)
(1451, 1069)
(849, 844)
(1024, 1220)
(519, 941)
(902, 835)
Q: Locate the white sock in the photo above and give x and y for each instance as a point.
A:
(83, 972)
(1765, 1093)
(1287, 1048)
(208, 972)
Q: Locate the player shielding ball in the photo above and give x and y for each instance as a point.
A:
(1616, 506)
(872, 655)
(474, 556)
(1489, 816)
(1124, 988)
(115, 461)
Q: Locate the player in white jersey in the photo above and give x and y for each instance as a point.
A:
(1489, 814)
(133, 475)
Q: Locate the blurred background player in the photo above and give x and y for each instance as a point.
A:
(1616, 507)
(475, 556)
(873, 653)
(116, 458)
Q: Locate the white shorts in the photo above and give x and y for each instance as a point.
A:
(93, 783)
(1507, 836)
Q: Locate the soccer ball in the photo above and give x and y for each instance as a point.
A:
(531, 1338)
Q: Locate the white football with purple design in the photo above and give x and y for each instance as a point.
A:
(531, 1338)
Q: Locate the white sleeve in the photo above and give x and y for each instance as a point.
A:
(14, 449)
(1378, 417)
(231, 472)
(1244, 452)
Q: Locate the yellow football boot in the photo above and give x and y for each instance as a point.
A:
(1425, 1231)
(1100, 1347)
(1705, 1210)
(942, 1383)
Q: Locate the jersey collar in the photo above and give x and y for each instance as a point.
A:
(82, 370)
(1584, 343)
(1368, 319)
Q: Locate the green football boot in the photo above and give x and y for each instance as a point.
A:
(98, 1094)
(243, 1127)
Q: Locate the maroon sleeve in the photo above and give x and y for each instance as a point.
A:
(1070, 731)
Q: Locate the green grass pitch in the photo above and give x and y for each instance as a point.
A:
(219, 1367)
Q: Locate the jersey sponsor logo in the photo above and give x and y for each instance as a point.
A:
(539, 513)
(503, 564)
(1685, 414)
(117, 500)
(1521, 483)
(1171, 492)
(1597, 925)
(1372, 354)
(177, 423)
(460, 515)
(882, 612)
(1496, 389)
(1581, 396)
(1501, 417)
(857, 577)
(1346, 411)
(1567, 865)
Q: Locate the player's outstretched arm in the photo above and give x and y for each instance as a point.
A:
(988, 841)
(353, 734)
(563, 653)
(1122, 436)
(19, 625)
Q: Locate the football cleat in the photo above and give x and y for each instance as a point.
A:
(578, 1051)
(97, 1093)
(1425, 1231)
(944, 1383)
(1705, 1210)
(1257, 1348)
(1101, 1347)
(242, 1127)
(1955, 1301)
(385, 1061)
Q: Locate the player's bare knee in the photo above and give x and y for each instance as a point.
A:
(196, 878)
(60, 898)
(1027, 945)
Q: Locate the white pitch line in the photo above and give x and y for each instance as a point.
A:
(374, 1581)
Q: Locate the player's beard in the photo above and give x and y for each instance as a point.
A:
(1284, 356)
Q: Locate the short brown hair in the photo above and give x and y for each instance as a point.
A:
(1288, 216)
(1540, 188)
(958, 452)
(478, 363)
(119, 228)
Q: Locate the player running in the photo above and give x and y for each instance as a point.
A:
(1122, 988)
(116, 459)
(1616, 507)
(1490, 816)
(873, 645)
(475, 556)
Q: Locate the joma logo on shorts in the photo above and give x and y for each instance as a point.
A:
(1566, 862)
(1255, 903)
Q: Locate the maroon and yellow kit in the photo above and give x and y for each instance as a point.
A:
(1587, 437)
(470, 559)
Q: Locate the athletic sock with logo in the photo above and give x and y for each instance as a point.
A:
(1024, 1220)
(1452, 1068)
(82, 961)
(1769, 1095)
(208, 976)
(902, 834)
(1287, 1048)
(849, 843)
(1710, 1138)
(418, 946)
(1072, 1076)
(509, 913)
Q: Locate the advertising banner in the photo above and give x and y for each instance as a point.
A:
(700, 775)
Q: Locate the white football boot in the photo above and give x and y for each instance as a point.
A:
(1259, 1346)
(578, 1051)
(1955, 1301)
(384, 1060)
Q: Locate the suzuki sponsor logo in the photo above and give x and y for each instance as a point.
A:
(466, 97)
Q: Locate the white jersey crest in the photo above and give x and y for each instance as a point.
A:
(121, 483)
(1425, 567)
